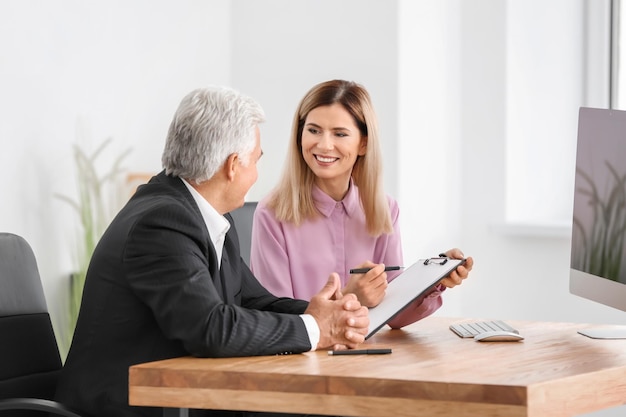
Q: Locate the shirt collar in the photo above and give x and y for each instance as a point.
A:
(325, 204)
(216, 224)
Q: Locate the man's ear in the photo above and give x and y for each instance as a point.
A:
(363, 146)
(231, 165)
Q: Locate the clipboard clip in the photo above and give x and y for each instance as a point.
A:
(440, 260)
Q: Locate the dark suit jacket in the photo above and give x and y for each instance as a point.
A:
(154, 291)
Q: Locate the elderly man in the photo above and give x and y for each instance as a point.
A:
(167, 279)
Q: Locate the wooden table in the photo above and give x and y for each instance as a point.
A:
(432, 372)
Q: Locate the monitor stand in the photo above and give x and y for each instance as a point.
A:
(605, 333)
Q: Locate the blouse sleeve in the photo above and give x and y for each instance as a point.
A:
(268, 257)
(422, 307)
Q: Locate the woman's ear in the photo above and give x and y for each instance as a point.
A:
(230, 166)
(363, 146)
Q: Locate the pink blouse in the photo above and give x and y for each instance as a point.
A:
(296, 262)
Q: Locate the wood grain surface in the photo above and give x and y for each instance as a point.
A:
(432, 372)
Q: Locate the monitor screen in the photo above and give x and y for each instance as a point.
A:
(598, 250)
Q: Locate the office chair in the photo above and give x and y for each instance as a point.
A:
(30, 363)
(243, 222)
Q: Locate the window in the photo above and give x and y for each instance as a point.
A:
(618, 52)
(557, 61)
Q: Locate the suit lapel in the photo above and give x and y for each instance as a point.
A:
(225, 272)
(213, 269)
(216, 273)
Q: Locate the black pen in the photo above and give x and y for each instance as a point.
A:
(359, 352)
(364, 270)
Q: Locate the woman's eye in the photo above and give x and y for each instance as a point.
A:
(341, 134)
(313, 130)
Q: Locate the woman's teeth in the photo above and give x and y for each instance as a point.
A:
(325, 159)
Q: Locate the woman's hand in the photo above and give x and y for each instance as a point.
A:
(369, 287)
(457, 276)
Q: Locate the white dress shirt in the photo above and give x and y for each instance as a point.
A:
(218, 226)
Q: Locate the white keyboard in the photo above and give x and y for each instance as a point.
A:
(471, 329)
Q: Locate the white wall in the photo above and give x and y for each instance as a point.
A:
(429, 150)
(297, 44)
(436, 71)
(105, 69)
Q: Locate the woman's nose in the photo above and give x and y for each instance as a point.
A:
(326, 142)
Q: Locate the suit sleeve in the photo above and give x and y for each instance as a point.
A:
(166, 259)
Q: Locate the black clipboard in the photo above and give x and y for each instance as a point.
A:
(412, 283)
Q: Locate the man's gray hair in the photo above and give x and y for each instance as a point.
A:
(209, 125)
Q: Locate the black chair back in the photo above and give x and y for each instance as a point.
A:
(30, 363)
(29, 356)
(243, 222)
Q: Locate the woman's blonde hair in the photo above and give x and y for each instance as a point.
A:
(292, 199)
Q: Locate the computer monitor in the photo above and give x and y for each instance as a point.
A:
(598, 249)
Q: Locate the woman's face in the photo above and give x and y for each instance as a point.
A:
(331, 142)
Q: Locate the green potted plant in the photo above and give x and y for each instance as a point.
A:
(94, 215)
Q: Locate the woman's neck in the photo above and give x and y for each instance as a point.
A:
(335, 188)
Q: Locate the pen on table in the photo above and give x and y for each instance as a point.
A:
(364, 270)
(359, 352)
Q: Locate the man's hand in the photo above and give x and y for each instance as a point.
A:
(369, 287)
(342, 320)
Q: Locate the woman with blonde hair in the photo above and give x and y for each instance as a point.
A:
(329, 212)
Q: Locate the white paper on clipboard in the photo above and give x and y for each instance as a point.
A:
(412, 283)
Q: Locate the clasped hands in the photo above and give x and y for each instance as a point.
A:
(342, 320)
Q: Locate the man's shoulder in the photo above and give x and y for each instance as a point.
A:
(163, 197)
(164, 188)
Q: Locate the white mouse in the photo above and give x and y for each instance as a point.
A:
(498, 336)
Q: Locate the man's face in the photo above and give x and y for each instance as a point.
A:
(247, 175)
